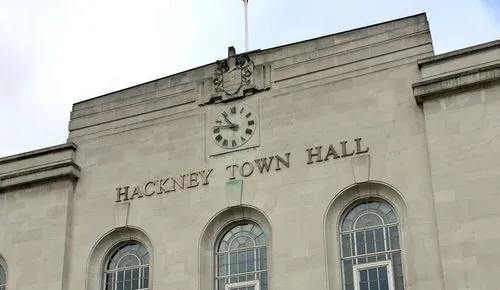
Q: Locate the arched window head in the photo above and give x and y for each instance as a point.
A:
(127, 268)
(3, 278)
(371, 253)
(241, 258)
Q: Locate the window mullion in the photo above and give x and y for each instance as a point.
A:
(255, 268)
(217, 272)
(140, 281)
(389, 246)
(385, 238)
(390, 277)
(228, 264)
(355, 245)
(365, 243)
(378, 278)
(130, 282)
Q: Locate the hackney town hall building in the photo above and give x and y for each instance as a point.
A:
(354, 161)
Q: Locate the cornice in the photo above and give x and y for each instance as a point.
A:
(440, 86)
(39, 165)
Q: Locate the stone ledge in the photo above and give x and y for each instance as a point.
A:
(430, 89)
(459, 53)
(38, 165)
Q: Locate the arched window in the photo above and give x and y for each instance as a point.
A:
(371, 253)
(241, 258)
(128, 268)
(3, 278)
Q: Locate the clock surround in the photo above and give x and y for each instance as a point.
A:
(250, 131)
(234, 126)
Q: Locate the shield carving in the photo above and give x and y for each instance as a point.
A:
(233, 75)
(232, 81)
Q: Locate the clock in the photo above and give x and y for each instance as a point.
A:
(234, 126)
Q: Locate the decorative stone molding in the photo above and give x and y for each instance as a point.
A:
(234, 192)
(432, 88)
(39, 165)
(361, 168)
(236, 77)
(233, 75)
(459, 70)
(110, 241)
(340, 205)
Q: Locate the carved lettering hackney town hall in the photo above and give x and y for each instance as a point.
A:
(263, 165)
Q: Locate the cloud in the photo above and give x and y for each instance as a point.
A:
(57, 52)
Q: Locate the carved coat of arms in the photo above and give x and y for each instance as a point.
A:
(233, 76)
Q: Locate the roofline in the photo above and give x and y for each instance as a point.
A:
(459, 52)
(341, 32)
(38, 152)
(259, 51)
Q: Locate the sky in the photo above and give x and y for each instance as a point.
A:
(54, 53)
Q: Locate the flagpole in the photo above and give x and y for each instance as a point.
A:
(245, 2)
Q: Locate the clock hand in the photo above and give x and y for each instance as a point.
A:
(232, 126)
(235, 127)
(227, 119)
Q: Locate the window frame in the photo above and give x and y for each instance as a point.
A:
(215, 262)
(3, 280)
(356, 271)
(254, 283)
(114, 272)
(352, 233)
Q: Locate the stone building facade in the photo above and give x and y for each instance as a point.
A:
(358, 160)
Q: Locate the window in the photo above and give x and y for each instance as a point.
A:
(377, 275)
(371, 253)
(3, 278)
(241, 258)
(128, 268)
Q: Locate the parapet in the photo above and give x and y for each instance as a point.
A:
(457, 71)
(39, 165)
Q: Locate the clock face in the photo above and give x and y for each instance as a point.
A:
(234, 126)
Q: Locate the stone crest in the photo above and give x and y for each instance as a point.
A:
(234, 75)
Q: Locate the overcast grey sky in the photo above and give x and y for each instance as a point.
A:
(54, 53)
